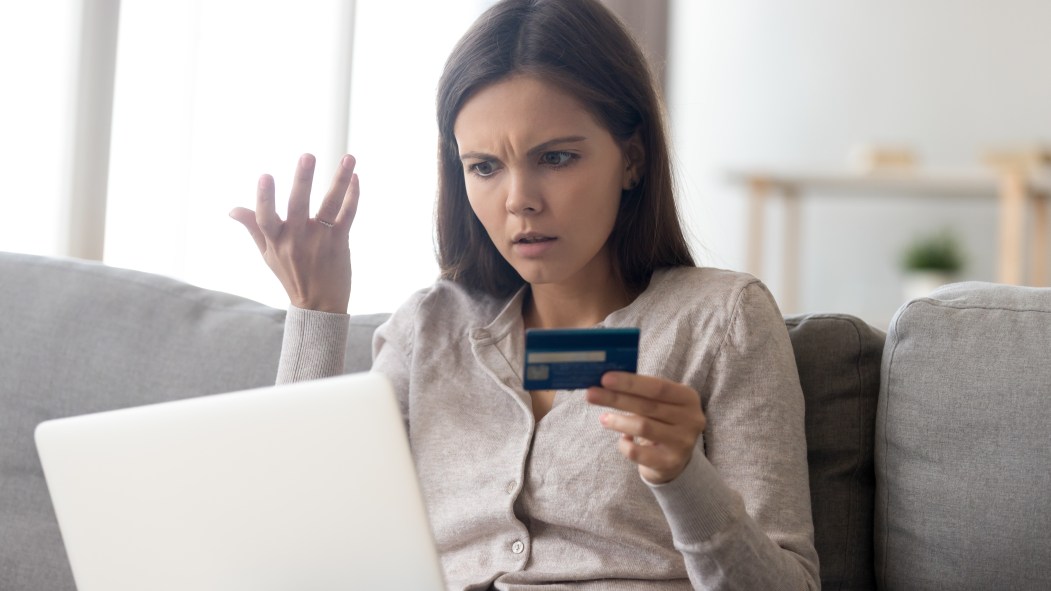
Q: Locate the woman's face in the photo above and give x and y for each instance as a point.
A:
(544, 178)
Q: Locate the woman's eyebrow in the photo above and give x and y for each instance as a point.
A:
(477, 155)
(569, 139)
(554, 142)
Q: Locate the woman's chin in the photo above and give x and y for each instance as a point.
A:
(534, 276)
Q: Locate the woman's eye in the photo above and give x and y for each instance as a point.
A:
(557, 159)
(483, 168)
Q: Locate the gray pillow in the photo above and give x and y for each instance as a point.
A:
(81, 337)
(838, 357)
(963, 454)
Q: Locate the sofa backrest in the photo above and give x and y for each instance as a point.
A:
(81, 337)
(963, 451)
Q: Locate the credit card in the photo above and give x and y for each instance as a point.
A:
(571, 359)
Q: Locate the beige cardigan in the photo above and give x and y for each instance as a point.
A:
(517, 504)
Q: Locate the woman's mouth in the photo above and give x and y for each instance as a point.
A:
(532, 245)
(533, 239)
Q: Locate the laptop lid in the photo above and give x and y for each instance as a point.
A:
(301, 486)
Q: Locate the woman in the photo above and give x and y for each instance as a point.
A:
(555, 209)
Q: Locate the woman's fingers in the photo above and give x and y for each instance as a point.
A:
(656, 463)
(311, 261)
(350, 204)
(265, 211)
(247, 218)
(299, 200)
(332, 204)
(640, 405)
(660, 421)
(649, 396)
(661, 451)
(649, 387)
(654, 432)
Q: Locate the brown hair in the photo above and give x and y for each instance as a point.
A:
(579, 46)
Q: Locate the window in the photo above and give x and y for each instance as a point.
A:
(211, 94)
(37, 62)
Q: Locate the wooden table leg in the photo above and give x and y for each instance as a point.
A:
(1038, 256)
(759, 191)
(790, 298)
(1012, 228)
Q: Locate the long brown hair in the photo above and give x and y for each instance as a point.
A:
(583, 49)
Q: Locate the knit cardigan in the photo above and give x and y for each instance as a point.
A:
(517, 504)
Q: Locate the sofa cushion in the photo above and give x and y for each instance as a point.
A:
(81, 337)
(838, 357)
(963, 455)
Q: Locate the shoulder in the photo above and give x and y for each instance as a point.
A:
(445, 307)
(710, 305)
(708, 279)
(715, 291)
(734, 309)
(453, 301)
(688, 315)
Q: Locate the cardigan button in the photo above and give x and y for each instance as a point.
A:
(518, 547)
(511, 486)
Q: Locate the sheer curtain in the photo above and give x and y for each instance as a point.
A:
(212, 93)
(37, 62)
(398, 58)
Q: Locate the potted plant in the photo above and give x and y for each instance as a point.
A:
(929, 262)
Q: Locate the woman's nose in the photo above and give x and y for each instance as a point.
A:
(523, 196)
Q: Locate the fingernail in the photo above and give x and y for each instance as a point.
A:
(345, 163)
(603, 418)
(306, 159)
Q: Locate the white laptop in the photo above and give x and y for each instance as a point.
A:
(307, 486)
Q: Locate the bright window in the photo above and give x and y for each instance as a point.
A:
(210, 94)
(37, 60)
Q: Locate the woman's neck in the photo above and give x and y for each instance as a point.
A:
(556, 306)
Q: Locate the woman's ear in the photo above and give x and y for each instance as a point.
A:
(634, 161)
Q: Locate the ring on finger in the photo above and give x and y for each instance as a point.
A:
(324, 223)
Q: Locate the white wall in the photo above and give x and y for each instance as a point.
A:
(798, 83)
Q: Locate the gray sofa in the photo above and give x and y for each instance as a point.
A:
(929, 446)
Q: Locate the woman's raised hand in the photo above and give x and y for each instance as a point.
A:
(662, 424)
(310, 256)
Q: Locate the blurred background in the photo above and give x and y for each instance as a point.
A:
(830, 148)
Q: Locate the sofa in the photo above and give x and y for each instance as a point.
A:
(928, 445)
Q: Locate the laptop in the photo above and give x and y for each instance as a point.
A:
(301, 486)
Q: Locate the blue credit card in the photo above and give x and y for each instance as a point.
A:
(571, 359)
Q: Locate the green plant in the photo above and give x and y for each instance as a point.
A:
(939, 252)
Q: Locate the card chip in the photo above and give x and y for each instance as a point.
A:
(538, 372)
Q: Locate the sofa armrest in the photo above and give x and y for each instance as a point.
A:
(963, 455)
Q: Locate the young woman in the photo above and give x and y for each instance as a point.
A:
(555, 209)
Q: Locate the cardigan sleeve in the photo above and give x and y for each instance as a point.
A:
(740, 513)
(313, 346)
